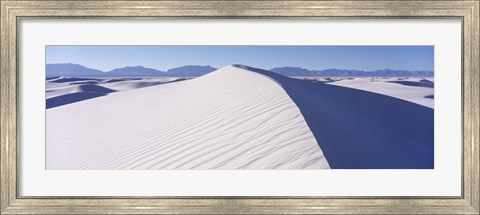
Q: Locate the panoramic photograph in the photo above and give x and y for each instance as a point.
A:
(239, 107)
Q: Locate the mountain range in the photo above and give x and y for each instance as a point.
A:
(75, 70)
(297, 71)
(69, 69)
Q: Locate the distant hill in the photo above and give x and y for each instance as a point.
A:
(75, 70)
(135, 71)
(190, 70)
(175, 72)
(297, 71)
(70, 69)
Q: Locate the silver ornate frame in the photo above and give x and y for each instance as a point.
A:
(468, 203)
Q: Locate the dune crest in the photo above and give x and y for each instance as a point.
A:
(357, 129)
(231, 118)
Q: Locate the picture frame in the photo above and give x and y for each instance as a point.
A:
(13, 11)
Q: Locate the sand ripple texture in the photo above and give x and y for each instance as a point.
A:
(229, 119)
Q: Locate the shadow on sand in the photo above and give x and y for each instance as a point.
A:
(362, 130)
(89, 91)
(82, 92)
(71, 98)
(64, 80)
(421, 83)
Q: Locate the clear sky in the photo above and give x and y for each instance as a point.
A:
(366, 58)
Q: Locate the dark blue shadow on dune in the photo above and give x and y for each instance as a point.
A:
(64, 80)
(87, 91)
(83, 82)
(94, 89)
(71, 98)
(115, 80)
(122, 79)
(90, 91)
(362, 130)
(421, 83)
(50, 78)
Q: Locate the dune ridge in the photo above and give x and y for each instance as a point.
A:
(240, 117)
(357, 129)
(231, 118)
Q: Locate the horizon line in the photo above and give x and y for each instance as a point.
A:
(245, 65)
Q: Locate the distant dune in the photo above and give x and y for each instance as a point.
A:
(67, 90)
(240, 117)
(414, 90)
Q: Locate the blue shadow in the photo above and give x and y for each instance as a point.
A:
(421, 83)
(362, 130)
(71, 98)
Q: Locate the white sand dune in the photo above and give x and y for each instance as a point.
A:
(357, 129)
(386, 86)
(229, 119)
(91, 88)
(64, 85)
(54, 90)
(135, 84)
(66, 90)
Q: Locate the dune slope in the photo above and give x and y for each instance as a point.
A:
(229, 119)
(358, 129)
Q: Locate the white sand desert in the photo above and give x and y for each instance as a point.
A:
(229, 119)
(389, 87)
(239, 117)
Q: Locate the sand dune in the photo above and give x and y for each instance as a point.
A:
(357, 129)
(71, 98)
(413, 90)
(232, 118)
(91, 88)
(68, 79)
(419, 83)
(240, 117)
(135, 84)
(66, 90)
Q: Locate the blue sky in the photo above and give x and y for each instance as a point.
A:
(366, 58)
